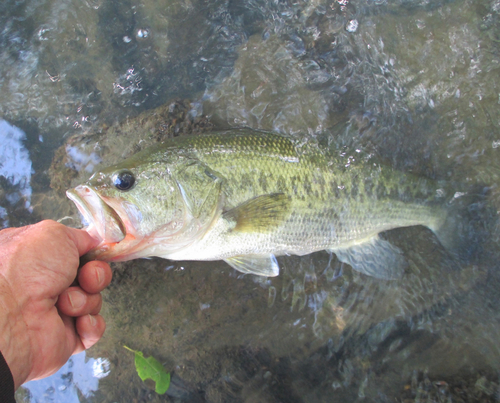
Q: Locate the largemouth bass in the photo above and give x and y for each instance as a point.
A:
(246, 196)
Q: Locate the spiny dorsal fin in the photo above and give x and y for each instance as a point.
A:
(260, 214)
(260, 265)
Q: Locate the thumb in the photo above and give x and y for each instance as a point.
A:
(82, 240)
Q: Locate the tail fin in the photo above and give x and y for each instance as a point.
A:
(468, 222)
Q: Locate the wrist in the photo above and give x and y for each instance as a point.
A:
(14, 339)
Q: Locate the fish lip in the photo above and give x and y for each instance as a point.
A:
(104, 222)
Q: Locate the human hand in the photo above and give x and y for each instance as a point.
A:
(43, 319)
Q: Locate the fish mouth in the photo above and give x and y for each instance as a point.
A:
(104, 223)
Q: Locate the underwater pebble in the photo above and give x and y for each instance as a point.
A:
(352, 26)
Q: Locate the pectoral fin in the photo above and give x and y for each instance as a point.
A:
(260, 265)
(260, 214)
(376, 257)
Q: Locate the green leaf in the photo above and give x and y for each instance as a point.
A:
(150, 368)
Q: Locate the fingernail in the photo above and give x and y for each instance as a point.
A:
(93, 320)
(76, 299)
(99, 272)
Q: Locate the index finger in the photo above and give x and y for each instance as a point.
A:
(94, 276)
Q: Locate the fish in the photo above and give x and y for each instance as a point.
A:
(246, 197)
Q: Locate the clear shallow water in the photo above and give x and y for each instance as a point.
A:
(414, 83)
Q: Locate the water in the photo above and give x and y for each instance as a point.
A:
(413, 82)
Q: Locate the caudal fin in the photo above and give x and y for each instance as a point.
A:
(467, 224)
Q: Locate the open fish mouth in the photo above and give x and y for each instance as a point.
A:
(103, 221)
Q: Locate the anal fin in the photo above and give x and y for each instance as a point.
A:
(376, 258)
(260, 265)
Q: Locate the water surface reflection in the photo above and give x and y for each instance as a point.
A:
(15, 170)
(78, 377)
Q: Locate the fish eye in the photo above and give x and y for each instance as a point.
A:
(123, 180)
